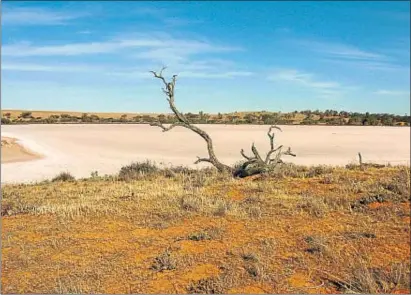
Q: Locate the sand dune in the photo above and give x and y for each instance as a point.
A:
(82, 149)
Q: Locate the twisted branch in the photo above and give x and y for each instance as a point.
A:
(183, 122)
(253, 164)
(165, 129)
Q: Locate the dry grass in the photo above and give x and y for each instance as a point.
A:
(301, 230)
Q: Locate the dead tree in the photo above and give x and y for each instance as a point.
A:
(252, 165)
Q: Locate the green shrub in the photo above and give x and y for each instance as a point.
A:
(25, 115)
(315, 171)
(135, 170)
(64, 176)
(5, 121)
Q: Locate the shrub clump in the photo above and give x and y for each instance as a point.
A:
(164, 262)
(137, 169)
(211, 285)
(63, 176)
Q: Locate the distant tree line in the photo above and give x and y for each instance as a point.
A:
(305, 117)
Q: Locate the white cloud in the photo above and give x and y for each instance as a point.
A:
(85, 32)
(214, 75)
(207, 69)
(302, 78)
(308, 80)
(349, 55)
(340, 51)
(370, 65)
(392, 92)
(24, 50)
(21, 16)
(185, 74)
(31, 67)
(190, 58)
(156, 48)
(178, 21)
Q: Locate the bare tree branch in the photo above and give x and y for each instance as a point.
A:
(244, 155)
(158, 124)
(255, 152)
(203, 160)
(289, 153)
(268, 157)
(252, 165)
(183, 122)
(271, 135)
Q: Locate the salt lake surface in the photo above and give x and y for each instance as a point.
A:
(82, 149)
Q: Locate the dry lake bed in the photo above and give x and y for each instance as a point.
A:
(83, 149)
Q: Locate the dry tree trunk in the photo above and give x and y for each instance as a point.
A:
(252, 165)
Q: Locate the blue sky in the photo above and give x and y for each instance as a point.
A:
(229, 56)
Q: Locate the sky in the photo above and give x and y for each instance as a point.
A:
(229, 56)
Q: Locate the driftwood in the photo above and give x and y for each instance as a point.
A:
(252, 164)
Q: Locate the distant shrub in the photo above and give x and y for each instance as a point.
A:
(315, 171)
(50, 120)
(288, 170)
(25, 115)
(63, 176)
(6, 208)
(174, 171)
(94, 174)
(135, 170)
(5, 121)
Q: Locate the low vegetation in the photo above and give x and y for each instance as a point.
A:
(306, 117)
(178, 230)
(63, 176)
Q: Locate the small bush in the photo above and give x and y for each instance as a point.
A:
(137, 169)
(254, 211)
(164, 262)
(63, 176)
(254, 270)
(222, 207)
(173, 171)
(249, 256)
(314, 206)
(5, 121)
(199, 236)
(318, 170)
(94, 174)
(317, 245)
(400, 185)
(289, 170)
(25, 115)
(207, 234)
(212, 285)
(6, 208)
(363, 279)
(352, 166)
(190, 203)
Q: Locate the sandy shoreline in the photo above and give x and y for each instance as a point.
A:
(12, 151)
(82, 149)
